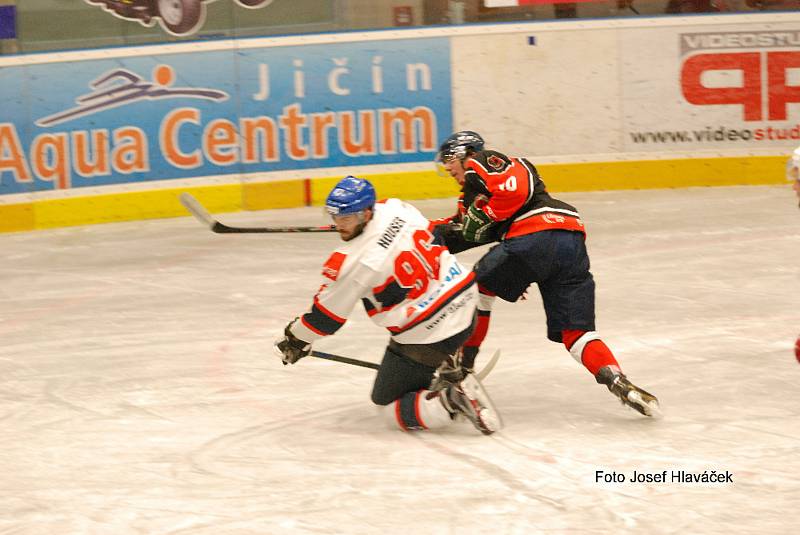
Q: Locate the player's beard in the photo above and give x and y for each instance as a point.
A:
(356, 232)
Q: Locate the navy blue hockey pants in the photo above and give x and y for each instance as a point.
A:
(557, 261)
(403, 371)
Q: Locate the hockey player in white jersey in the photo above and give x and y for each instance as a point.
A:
(793, 171)
(416, 290)
(793, 176)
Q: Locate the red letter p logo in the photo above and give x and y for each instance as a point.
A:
(748, 96)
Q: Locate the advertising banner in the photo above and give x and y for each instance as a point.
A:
(155, 116)
(603, 92)
(707, 96)
(715, 87)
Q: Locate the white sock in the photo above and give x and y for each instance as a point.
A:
(417, 410)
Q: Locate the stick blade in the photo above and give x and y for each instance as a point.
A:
(481, 375)
(197, 209)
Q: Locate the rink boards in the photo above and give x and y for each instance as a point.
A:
(250, 124)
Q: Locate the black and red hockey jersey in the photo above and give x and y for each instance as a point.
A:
(518, 199)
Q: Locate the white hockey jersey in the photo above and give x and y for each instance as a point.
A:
(413, 288)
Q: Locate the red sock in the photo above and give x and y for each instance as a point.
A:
(481, 328)
(473, 343)
(587, 348)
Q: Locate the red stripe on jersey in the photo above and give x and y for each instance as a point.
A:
(331, 315)
(437, 305)
(545, 221)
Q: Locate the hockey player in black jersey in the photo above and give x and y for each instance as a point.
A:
(542, 241)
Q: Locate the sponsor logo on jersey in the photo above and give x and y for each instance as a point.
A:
(495, 162)
(333, 265)
(453, 274)
(451, 308)
(553, 218)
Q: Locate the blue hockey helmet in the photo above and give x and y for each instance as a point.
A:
(459, 145)
(350, 195)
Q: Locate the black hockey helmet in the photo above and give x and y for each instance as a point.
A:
(459, 145)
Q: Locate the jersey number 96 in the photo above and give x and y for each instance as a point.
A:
(414, 269)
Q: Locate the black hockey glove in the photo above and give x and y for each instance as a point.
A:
(290, 348)
(453, 230)
(477, 226)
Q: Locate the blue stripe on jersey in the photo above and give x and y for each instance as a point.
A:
(391, 295)
(321, 322)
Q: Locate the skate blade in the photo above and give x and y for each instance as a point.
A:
(648, 408)
(485, 411)
(483, 419)
(490, 420)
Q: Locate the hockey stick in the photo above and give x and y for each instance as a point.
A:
(481, 375)
(346, 360)
(202, 215)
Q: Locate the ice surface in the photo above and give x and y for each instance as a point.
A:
(139, 393)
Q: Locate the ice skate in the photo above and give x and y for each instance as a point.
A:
(450, 372)
(628, 393)
(453, 371)
(470, 399)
